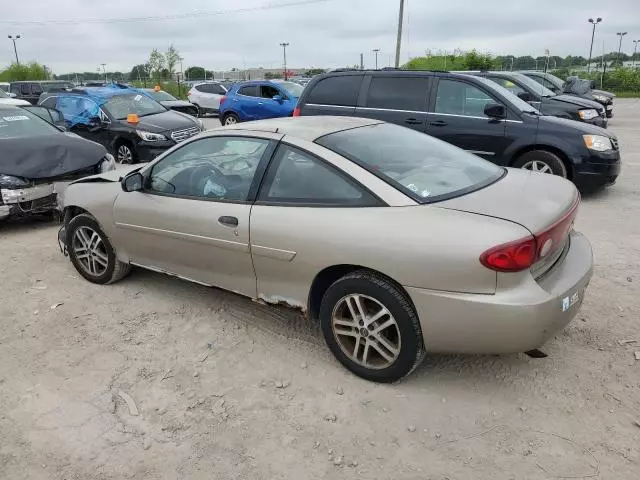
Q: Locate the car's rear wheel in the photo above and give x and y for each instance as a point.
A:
(230, 119)
(199, 110)
(125, 153)
(371, 327)
(542, 161)
(91, 252)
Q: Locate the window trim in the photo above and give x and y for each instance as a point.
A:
(274, 164)
(255, 182)
(434, 97)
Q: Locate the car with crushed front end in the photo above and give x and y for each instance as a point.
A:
(170, 102)
(397, 242)
(38, 160)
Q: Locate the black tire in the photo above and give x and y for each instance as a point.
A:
(396, 301)
(123, 144)
(551, 160)
(232, 117)
(200, 113)
(115, 269)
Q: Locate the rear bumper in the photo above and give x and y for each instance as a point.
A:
(514, 319)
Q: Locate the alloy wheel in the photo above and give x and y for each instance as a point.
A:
(366, 331)
(125, 155)
(90, 251)
(538, 166)
(230, 120)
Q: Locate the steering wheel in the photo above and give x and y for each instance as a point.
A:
(199, 176)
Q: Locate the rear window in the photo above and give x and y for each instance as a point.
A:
(336, 91)
(423, 167)
(399, 93)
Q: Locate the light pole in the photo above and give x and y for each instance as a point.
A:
(376, 51)
(284, 52)
(635, 49)
(104, 68)
(399, 39)
(14, 38)
(593, 33)
(620, 34)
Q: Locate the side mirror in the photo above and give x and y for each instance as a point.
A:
(495, 110)
(132, 182)
(526, 96)
(277, 98)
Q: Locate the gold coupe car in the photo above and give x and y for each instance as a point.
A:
(398, 243)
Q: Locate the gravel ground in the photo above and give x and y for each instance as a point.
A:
(225, 388)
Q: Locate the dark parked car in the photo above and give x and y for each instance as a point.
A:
(38, 160)
(472, 113)
(32, 90)
(558, 86)
(172, 103)
(563, 106)
(127, 122)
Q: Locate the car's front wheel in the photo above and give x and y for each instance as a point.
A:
(125, 154)
(91, 252)
(371, 327)
(542, 161)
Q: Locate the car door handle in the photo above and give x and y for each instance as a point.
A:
(413, 121)
(259, 103)
(438, 123)
(228, 221)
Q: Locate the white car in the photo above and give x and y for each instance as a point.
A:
(6, 99)
(206, 96)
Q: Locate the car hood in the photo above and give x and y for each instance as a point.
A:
(111, 176)
(556, 123)
(164, 122)
(48, 156)
(533, 200)
(13, 101)
(603, 93)
(573, 100)
(176, 103)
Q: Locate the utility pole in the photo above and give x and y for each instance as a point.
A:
(512, 57)
(362, 61)
(635, 50)
(620, 34)
(14, 38)
(104, 67)
(593, 33)
(376, 51)
(399, 40)
(284, 51)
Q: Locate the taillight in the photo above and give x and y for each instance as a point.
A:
(522, 254)
(223, 99)
(296, 112)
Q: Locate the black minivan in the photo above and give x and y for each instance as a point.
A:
(472, 113)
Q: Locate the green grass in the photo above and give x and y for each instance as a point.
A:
(627, 94)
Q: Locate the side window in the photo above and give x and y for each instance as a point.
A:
(15, 88)
(50, 102)
(248, 91)
(460, 98)
(399, 93)
(336, 91)
(215, 88)
(215, 168)
(24, 89)
(267, 91)
(204, 88)
(298, 178)
(549, 85)
(36, 89)
(77, 110)
(508, 84)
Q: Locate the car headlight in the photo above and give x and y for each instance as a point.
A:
(598, 143)
(7, 181)
(601, 98)
(588, 113)
(150, 137)
(108, 164)
(201, 125)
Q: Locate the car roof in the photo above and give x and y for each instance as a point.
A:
(307, 128)
(102, 93)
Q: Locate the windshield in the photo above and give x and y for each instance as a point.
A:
(423, 167)
(119, 106)
(515, 101)
(3, 94)
(19, 123)
(4, 87)
(534, 86)
(161, 96)
(293, 89)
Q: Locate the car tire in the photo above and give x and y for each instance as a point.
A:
(125, 153)
(200, 113)
(542, 161)
(386, 350)
(91, 252)
(229, 119)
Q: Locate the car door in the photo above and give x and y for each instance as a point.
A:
(301, 204)
(396, 99)
(191, 219)
(268, 107)
(83, 117)
(247, 102)
(456, 115)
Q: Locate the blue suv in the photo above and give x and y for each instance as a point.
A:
(257, 100)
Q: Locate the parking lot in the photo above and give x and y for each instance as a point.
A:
(157, 378)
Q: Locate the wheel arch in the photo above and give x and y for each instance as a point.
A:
(545, 147)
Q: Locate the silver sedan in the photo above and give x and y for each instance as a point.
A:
(398, 243)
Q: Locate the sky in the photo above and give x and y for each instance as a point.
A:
(78, 35)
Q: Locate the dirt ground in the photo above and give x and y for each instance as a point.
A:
(228, 389)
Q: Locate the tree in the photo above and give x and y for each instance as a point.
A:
(314, 71)
(477, 61)
(195, 73)
(31, 71)
(139, 72)
(172, 58)
(270, 75)
(156, 63)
